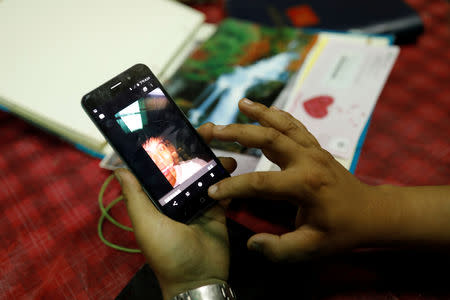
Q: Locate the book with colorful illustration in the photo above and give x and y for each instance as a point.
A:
(240, 60)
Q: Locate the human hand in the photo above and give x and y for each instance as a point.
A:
(334, 208)
(182, 256)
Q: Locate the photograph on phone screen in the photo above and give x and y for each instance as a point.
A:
(165, 137)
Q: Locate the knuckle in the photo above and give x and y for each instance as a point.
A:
(291, 127)
(271, 136)
(231, 130)
(311, 137)
(127, 192)
(314, 179)
(235, 128)
(292, 119)
(287, 115)
(264, 112)
(327, 156)
(321, 157)
(229, 126)
(257, 181)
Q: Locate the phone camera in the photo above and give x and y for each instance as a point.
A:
(128, 78)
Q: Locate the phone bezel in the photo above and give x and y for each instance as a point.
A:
(89, 101)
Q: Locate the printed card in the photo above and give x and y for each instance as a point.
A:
(339, 94)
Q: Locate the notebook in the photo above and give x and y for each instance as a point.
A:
(53, 52)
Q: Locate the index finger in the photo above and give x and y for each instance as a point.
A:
(276, 146)
(280, 120)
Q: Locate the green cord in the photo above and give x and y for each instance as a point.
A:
(105, 211)
(111, 219)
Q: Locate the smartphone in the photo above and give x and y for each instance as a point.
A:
(156, 141)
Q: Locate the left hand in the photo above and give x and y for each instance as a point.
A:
(182, 256)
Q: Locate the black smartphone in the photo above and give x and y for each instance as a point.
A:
(157, 142)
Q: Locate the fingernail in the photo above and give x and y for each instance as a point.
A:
(247, 101)
(212, 189)
(219, 127)
(117, 175)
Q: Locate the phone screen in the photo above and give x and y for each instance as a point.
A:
(157, 142)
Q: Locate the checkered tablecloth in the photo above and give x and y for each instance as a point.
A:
(49, 247)
(408, 142)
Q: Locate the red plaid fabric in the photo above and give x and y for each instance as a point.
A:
(408, 139)
(49, 247)
(49, 244)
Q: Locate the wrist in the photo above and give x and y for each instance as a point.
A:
(169, 291)
(381, 218)
(408, 215)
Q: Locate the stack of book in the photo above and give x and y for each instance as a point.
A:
(329, 81)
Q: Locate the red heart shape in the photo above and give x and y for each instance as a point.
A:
(317, 107)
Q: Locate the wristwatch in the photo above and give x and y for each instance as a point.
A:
(220, 291)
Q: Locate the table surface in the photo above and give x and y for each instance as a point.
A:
(49, 246)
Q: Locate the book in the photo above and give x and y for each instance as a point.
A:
(374, 17)
(53, 52)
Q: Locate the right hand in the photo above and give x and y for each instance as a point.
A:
(334, 208)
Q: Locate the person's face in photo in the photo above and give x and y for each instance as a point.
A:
(164, 154)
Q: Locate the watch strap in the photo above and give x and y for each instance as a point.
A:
(221, 291)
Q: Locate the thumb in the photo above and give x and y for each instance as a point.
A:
(140, 208)
(301, 244)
